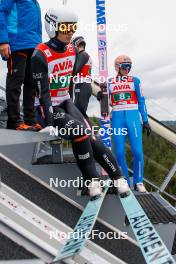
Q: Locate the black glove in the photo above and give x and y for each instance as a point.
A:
(100, 95)
(103, 87)
(147, 128)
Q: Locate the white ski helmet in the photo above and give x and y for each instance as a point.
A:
(55, 16)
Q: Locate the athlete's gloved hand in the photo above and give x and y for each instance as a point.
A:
(100, 95)
(103, 87)
(147, 128)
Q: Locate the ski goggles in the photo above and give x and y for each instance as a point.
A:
(66, 28)
(124, 66)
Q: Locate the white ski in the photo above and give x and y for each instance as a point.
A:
(103, 68)
(151, 244)
(83, 228)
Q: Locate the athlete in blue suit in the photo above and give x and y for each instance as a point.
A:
(20, 33)
(128, 103)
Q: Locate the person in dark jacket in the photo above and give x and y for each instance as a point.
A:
(83, 87)
(20, 33)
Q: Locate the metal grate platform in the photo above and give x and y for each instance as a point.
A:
(156, 212)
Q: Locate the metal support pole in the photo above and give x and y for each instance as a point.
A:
(168, 178)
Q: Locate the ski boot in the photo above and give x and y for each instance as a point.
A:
(139, 187)
(122, 186)
(37, 127)
(95, 189)
(24, 127)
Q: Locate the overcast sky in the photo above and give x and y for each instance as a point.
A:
(145, 30)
